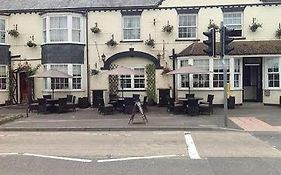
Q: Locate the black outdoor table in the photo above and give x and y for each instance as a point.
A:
(194, 109)
(52, 102)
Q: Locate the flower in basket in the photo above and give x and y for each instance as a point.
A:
(31, 44)
(96, 29)
(168, 28)
(13, 33)
(255, 25)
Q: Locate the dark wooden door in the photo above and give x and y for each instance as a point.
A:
(164, 95)
(96, 95)
(23, 87)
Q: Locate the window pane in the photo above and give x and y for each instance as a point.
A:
(2, 31)
(187, 26)
(233, 21)
(58, 29)
(3, 77)
(60, 83)
(131, 28)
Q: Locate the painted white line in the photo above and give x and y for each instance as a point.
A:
(59, 158)
(8, 154)
(137, 158)
(192, 151)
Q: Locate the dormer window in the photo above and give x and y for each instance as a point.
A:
(62, 28)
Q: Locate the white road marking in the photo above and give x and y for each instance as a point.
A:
(8, 154)
(192, 151)
(137, 158)
(59, 158)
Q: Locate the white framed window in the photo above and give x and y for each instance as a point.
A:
(63, 28)
(233, 20)
(3, 77)
(187, 26)
(201, 80)
(77, 77)
(237, 73)
(218, 72)
(273, 72)
(184, 79)
(133, 81)
(74, 83)
(2, 30)
(131, 27)
(60, 83)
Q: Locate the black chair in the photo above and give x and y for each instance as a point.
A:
(207, 107)
(104, 109)
(69, 98)
(42, 105)
(136, 97)
(144, 103)
(170, 105)
(33, 106)
(47, 96)
(128, 105)
(113, 97)
(189, 96)
(62, 105)
(71, 105)
(193, 107)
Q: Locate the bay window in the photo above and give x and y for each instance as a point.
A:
(201, 80)
(3, 77)
(2, 31)
(218, 72)
(62, 28)
(74, 83)
(131, 27)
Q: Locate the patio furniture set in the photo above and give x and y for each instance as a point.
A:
(191, 105)
(47, 104)
(121, 104)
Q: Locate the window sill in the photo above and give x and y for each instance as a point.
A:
(132, 90)
(131, 41)
(63, 90)
(186, 39)
(54, 43)
(4, 44)
(4, 90)
(273, 89)
(239, 38)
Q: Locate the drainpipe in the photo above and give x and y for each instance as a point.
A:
(87, 55)
(174, 57)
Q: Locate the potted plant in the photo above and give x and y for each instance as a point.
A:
(278, 32)
(212, 24)
(255, 25)
(111, 42)
(31, 43)
(150, 42)
(14, 33)
(96, 29)
(168, 28)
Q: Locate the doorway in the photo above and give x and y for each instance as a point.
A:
(23, 87)
(252, 79)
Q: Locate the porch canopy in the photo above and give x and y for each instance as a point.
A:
(267, 47)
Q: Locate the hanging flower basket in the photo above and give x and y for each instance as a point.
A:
(255, 25)
(278, 33)
(111, 42)
(31, 44)
(166, 70)
(13, 33)
(168, 28)
(212, 24)
(150, 42)
(96, 29)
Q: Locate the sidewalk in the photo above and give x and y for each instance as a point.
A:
(158, 119)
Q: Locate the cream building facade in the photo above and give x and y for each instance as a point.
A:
(62, 31)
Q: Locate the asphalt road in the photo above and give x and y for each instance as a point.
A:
(138, 153)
